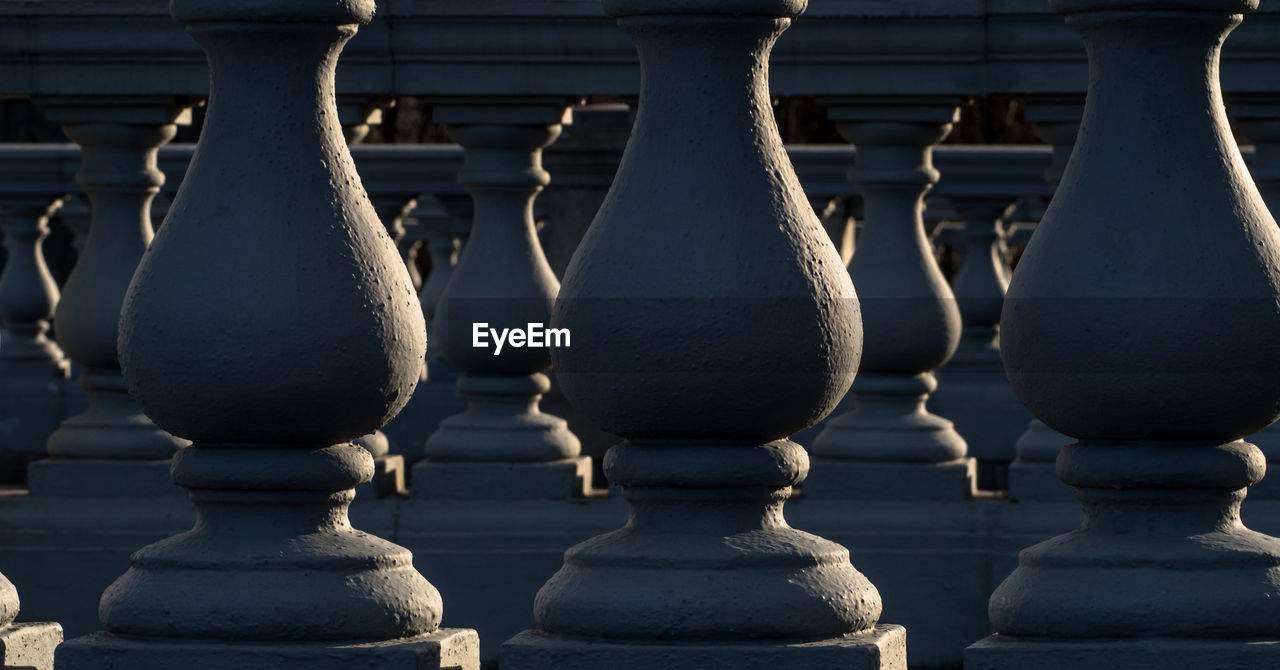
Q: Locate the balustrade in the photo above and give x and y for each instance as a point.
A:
(499, 75)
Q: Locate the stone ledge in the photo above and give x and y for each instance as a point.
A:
(446, 649)
(1005, 653)
(29, 646)
(568, 478)
(881, 649)
(874, 480)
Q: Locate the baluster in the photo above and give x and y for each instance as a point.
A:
(1142, 322)
(32, 367)
(972, 389)
(704, 355)
(74, 214)
(502, 445)
(271, 329)
(392, 197)
(442, 245)
(1033, 474)
(28, 294)
(111, 448)
(411, 246)
(889, 446)
(1257, 118)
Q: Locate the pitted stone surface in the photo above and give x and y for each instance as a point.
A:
(445, 649)
(883, 648)
(271, 329)
(1170, 296)
(707, 566)
(29, 646)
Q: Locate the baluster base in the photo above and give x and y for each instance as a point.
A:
(869, 480)
(981, 404)
(29, 645)
(113, 427)
(566, 478)
(999, 652)
(101, 478)
(452, 648)
(882, 648)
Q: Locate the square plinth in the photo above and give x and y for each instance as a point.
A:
(873, 480)
(554, 480)
(29, 645)
(87, 478)
(1004, 653)
(446, 649)
(883, 648)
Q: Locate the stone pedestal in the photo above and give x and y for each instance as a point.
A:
(1169, 653)
(882, 648)
(447, 648)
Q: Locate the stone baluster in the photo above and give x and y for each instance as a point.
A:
(503, 444)
(392, 200)
(412, 246)
(24, 646)
(74, 214)
(111, 448)
(671, 343)
(584, 160)
(32, 366)
(1257, 120)
(460, 210)
(1142, 322)
(271, 329)
(442, 245)
(437, 397)
(28, 295)
(972, 389)
(889, 446)
(1033, 474)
